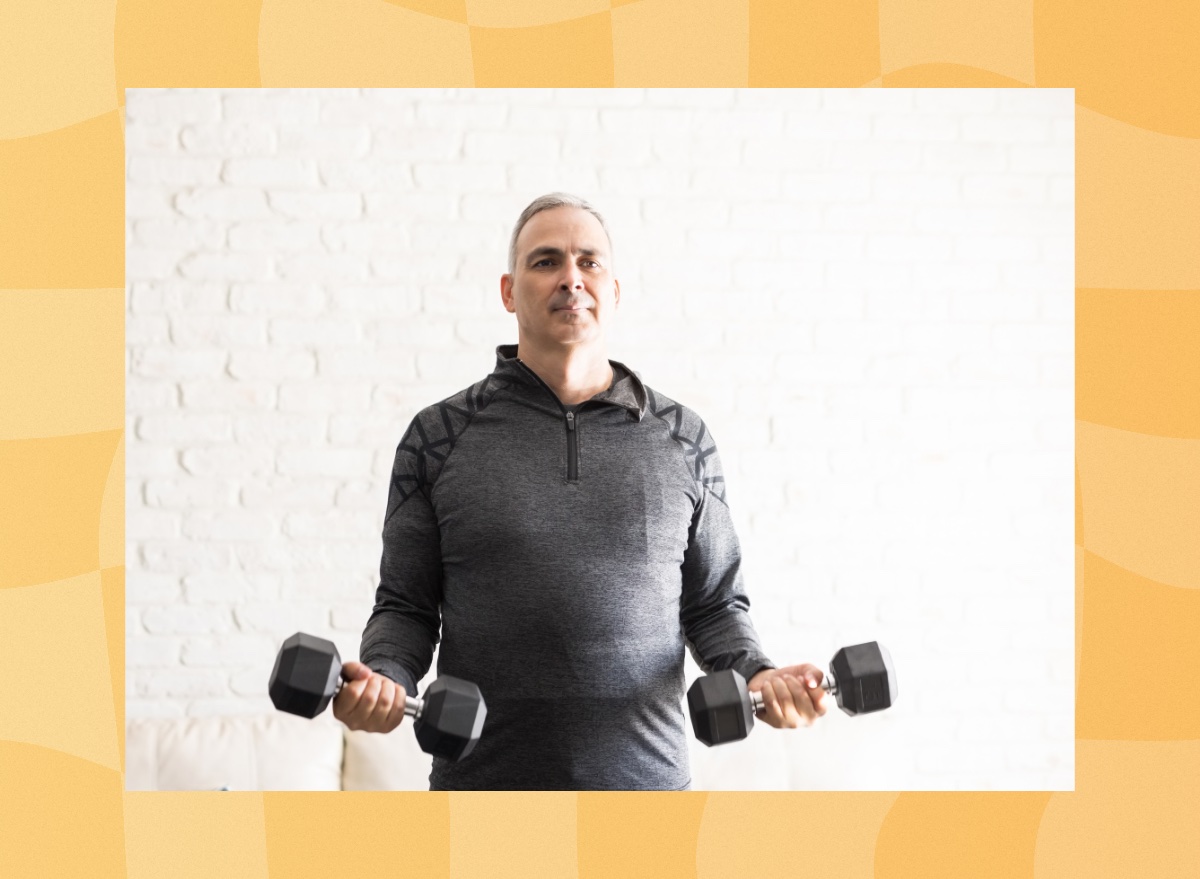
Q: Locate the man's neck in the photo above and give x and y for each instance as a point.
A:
(573, 374)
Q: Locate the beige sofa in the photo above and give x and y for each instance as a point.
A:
(269, 752)
(278, 751)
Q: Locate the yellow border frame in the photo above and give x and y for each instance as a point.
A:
(63, 809)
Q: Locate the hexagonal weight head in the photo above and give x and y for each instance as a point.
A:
(719, 704)
(306, 675)
(865, 678)
(451, 718)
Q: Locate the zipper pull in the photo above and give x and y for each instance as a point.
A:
(570, 421)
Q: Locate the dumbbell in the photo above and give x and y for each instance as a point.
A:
(722, 708)
(308, 674)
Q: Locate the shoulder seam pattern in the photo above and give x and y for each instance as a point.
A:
(430, 452)
(696, 456)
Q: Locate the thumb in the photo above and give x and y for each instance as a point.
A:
(356, 671)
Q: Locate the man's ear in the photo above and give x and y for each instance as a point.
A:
(506, 284)
(617, 292)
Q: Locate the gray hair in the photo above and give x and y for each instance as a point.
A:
(545, 203)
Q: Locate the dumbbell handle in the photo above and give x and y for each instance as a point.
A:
(758, 705)
(412, 707)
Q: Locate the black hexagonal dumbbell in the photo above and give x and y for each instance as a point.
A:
(308, 674)
(722, 708)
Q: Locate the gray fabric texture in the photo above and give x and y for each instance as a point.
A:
(569, 602)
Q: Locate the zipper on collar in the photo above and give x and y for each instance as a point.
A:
(572, 436)
(572, 450)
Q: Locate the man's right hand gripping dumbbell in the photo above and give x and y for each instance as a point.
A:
(309, 673)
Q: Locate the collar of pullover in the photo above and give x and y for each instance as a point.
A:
(626, 390)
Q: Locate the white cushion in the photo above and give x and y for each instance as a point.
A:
(385, 762)
(269, 752)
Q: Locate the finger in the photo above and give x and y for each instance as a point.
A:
(811, 672)
(802, 699)
(366, 701)
(770, 710)
(345, 701)
(384, 706)
(396, 716)
(789, 715)
(813, 679)
(341, 703)
(375, 695)
(817, 694)
(781, 702)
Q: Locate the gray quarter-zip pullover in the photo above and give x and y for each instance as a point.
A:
(567, 554)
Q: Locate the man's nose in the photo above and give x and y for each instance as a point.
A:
(572, 278)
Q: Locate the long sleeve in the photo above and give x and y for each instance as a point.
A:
(714, 610)
(404, 625)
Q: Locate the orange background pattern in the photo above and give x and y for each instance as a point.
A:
(63, 69)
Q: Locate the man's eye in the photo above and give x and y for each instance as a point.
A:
(591, 262)
(545, 261)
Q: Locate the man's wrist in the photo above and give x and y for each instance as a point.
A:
(756, 679)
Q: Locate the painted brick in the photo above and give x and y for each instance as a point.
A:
(867, 294)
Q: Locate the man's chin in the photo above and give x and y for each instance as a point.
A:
(575, 335)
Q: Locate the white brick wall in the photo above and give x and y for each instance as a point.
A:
(868, 295)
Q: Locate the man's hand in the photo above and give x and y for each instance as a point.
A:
(792, 696)
(368, 700)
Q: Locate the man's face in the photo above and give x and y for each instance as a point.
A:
(562, 289)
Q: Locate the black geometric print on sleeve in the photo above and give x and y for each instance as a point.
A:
(430, 438)
(689, 430)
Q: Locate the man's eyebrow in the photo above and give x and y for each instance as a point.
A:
(546, 250)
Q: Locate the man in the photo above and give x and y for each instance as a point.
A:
(565, 528)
